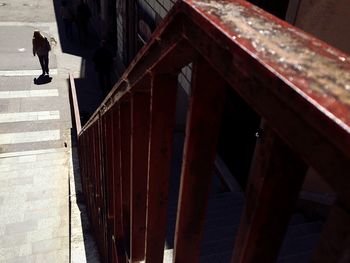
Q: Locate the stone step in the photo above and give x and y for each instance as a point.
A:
(300, 258)
(212, 247)
(304, 229)
(222, 222)
(218, 240)
(217, 258)
(9, 148)
(219, 232)
(24, 159)
(30, 126)
(297, 219)
(295, 250)
(33, 152)
(19, 177)
(212, 209)
(223, 232)
(33, 165)
(300, 245)
(215, 207)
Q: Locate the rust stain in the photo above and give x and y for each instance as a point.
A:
(295, 56)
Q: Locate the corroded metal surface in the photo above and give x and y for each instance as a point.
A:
(298, 84)
(318, 72)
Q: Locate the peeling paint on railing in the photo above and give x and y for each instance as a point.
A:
(273, 43)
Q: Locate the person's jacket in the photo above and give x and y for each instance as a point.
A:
(41, 46)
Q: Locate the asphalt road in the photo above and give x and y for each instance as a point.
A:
(27, 11)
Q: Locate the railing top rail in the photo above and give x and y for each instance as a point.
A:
(318, 73)
(75, 103)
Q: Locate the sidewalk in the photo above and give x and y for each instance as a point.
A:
(37, 171)
(34, 132)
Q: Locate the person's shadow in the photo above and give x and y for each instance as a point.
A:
(42, 79)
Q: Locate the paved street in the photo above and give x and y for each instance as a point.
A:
(36, 164)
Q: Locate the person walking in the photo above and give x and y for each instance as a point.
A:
(41, 47)
(68, 18)
(103, 60)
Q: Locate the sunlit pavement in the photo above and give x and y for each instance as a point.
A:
(36, 166)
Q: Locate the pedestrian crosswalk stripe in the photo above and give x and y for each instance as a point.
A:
(27, 137)
(13, 94)
(35, 72)
(29, 116)
(33, 152)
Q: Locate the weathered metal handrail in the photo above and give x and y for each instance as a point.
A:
(74, 101)
(296, 83)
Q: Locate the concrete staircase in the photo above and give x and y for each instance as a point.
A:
(34, 206)
(222, 221)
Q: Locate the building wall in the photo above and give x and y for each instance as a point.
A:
(152, 11)
(121, 28)
(157, 7)
(329, 20)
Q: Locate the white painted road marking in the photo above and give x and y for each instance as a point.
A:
(29, 116)
(35, 72)
(13, 94)
(34, 152)
(25, 137)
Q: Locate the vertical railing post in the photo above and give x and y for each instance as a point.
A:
(93, 185)
(276, 177)
(103, 185)
(82, 164)
(118, 236)
(163, 104)
(107, 157)
(109, 151)
(140, 115)
(88, 156)
(92, 179)
(125, 149)
(98, 192)
(202, 130)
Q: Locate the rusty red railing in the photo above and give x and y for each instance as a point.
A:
(296, 83)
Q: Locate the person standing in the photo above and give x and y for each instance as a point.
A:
(68, 18)
(103, 60)
(41, 47)
(83, 15)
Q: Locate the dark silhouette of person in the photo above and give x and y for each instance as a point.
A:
(83, 15)
(103, 61)
(68, 18)
(41, 47)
